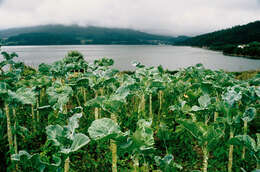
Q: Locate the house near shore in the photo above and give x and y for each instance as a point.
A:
(242, 46)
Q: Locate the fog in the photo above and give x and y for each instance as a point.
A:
(168, 17)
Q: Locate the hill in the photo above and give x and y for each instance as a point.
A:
(241, 41)
(243, 34)
(68, 35)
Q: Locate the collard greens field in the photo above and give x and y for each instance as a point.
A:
(79, 116)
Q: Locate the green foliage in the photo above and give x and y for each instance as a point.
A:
(246, 141)
(143, 136)
(103, 128)
(65, 137)
(158, 114)
(29, 162)
(25, 96)
(203, 133)
(252, 145)
(59, 95)
(204, 101)
(249, 114)
(167, 164)
(232, 95)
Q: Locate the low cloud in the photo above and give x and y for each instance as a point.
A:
(186, 17)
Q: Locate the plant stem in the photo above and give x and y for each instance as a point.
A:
(37, 112)
(146, 167)
(77, 98)
(101, 91)
(9, 130)
(96, 113)
(42, 94)
(216, 113)
(67, 165)
(33, 118)
(205, 154)
(244, 148)
(136, 164)
(10, 67)
(215, 116)
(84, 96)
(15, 137)
(205, 158)
(231, 148)
(160, 102)
(143, 104)
(141, 108)
(113, 147)
(65, 109)
(150, 106)
(136, 100)
(96, 109)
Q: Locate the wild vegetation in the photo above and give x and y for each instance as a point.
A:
(74, 115)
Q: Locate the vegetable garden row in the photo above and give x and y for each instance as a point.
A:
(74, 115)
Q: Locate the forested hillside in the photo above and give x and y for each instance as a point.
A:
(236, 35)
(238, 41)
(68, 35)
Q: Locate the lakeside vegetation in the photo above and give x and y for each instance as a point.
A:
(251, 50)
(78, 116)
(229, 40)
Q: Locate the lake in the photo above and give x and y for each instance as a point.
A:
(170, 57)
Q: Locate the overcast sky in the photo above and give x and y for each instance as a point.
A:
(170, 17)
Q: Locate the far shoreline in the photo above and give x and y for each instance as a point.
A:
(231, 55)
(205, 48)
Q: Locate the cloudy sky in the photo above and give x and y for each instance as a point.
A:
(169, 17)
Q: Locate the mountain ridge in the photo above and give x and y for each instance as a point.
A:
(78, 35)
(240, 34)
(242, 40)
(74, 34)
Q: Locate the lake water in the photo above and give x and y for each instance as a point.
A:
(170, 57)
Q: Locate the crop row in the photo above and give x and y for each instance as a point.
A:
(74, 115)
